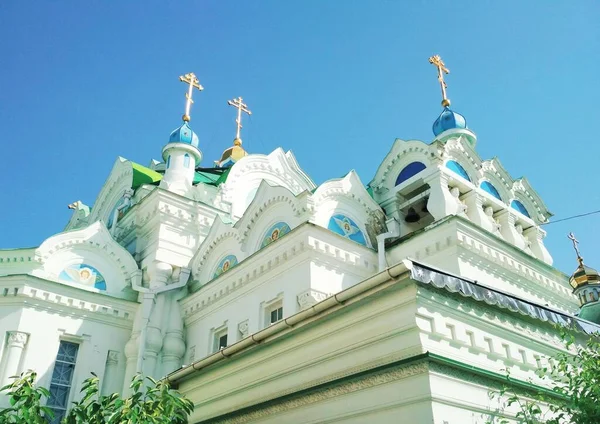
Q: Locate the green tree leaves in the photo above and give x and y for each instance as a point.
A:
(151, 402)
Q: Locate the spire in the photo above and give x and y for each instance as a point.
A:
(241, 107)
(571, 237)
(441, 68)
(193, 83)
(447, 119)
(235, 153)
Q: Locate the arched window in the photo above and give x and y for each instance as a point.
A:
(186, 161)
(457, 168)
(519, 207)
(489, 188)
(168, 161)
(409, 170)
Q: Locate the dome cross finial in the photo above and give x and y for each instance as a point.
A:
(193, 83)
(241, 107)
(441, 68)
(571, 237)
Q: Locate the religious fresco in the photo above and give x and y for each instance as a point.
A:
(274, 233)
(225, 265)
(83, 274)
(346, 227)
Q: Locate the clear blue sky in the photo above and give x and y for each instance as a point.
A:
(334, 81)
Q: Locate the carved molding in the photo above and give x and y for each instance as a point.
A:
(310, 297)
(17, 339)
(112, 357)
(340, 389)
(243, 328)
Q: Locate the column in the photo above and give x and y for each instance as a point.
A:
(160, 273)
(173, 343)
(15, 347)
(111, 383)
(536, 237)
(441, 203)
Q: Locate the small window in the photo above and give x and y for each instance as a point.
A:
(457, 168)
(276, 315)
(519, 207)
(62, 376)
(220, 340)
(186, 161)
(409, 171)
(168, 161)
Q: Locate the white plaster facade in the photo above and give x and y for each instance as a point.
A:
(193, 274)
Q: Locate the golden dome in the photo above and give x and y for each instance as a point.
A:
(584, 275)
(234, 153)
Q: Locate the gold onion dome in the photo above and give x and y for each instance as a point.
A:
(232, 154)
(584, 275)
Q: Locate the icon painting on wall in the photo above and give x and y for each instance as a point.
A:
(83, 274)
(346, 227)
(225, 265)
(275, 233)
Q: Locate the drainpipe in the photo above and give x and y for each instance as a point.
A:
(148, 303)
(393, 231)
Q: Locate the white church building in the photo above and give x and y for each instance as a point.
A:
(267, 299)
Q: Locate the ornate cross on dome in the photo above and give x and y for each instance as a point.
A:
(193, 83)
(241, 107)
(441, 68)
(571, 237)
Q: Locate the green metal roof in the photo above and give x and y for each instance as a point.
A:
(211, 176)
(143, 175)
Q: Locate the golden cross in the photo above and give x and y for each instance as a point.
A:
(193, 83)
(571, 237)
(241, 107)
(441, 68)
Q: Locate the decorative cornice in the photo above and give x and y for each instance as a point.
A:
(345, 387)
(274, 256)
(34, 292)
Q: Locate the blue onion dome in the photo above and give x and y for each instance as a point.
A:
(184, 134)
(448, 120)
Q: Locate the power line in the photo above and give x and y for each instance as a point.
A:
(571, 217)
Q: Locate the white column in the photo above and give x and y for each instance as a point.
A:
(441, 203)
(173, 344)
(536, 237)
(509, 231)
(111, 383)
(15, 347)
(160, 273)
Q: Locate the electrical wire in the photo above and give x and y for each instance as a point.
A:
(571, 217)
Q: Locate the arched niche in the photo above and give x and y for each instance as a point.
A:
(490, 189)
(277, 169)
(89, 259)
(458, 169)
(410, 171)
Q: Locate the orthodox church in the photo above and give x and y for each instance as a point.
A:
(265, 298)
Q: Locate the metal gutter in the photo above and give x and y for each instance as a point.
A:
(326, 306)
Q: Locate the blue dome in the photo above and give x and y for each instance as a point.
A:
(184, 134)
(448, 120)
